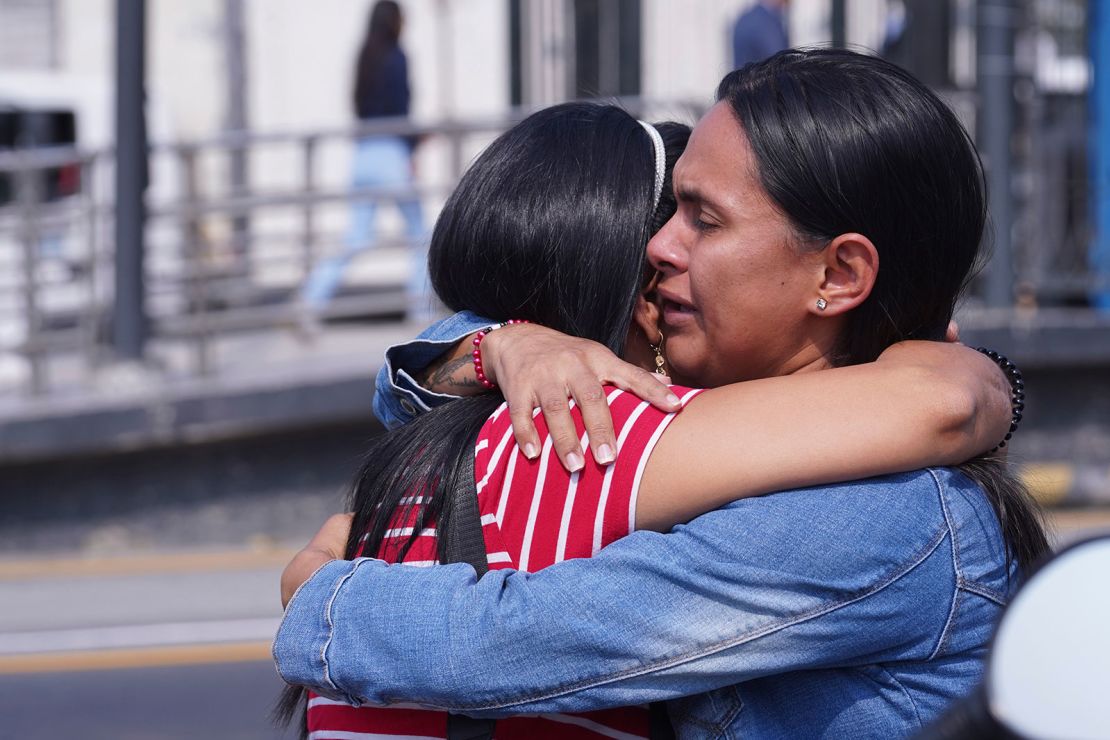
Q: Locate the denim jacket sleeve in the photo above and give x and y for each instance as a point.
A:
(398, 398)
(842, 575)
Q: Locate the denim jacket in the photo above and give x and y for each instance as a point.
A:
(855, 610)
(398, 398)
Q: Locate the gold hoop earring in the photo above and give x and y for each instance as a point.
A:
(660, 361)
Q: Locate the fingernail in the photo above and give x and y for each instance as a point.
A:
(605, 454)
(575, 462)
(672, 399)
(530, 451)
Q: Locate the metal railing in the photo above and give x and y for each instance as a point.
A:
(223, 260)
(219, 259)
(43, 267)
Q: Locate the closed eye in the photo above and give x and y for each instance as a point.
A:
(703, 226)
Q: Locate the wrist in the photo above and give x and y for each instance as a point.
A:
(483, 356)
(1017, 391)
(300, 569)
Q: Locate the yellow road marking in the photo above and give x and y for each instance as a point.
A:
(152, 563)
(100, 660)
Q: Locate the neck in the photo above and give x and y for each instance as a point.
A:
(817, 351)
(808, 359)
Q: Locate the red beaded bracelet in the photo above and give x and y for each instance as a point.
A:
(477, 353)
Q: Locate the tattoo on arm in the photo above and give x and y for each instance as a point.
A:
(453, 376)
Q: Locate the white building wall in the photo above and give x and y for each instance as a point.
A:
(688, 44)
(300, 59)
(687, 47)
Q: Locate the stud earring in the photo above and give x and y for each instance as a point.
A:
(822, 304)
(660, 362)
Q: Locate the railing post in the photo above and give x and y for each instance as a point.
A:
(93, 315)
(235, 59)
(1099, 142)
(995, 72)
(839, 23)
(309, 188)
(457, 164)
(29, 192)
(129, 318)
(196, 274)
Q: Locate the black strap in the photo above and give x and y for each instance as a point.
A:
(461, 727)
(661, 728)
(465, 544)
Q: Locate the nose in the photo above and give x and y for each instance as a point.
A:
(666, 251)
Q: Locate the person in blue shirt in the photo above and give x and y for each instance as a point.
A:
(759, 32)
(853, 610)
(381, 90)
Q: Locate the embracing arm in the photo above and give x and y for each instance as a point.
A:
(437, 367)
(920, 404)
(765, 586)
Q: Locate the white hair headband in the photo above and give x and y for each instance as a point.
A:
(660, 160)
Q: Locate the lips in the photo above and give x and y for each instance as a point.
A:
(676, 310)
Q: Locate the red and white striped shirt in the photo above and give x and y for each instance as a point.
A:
(534, 514)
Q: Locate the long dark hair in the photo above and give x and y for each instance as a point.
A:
(549, 224)
(851, 143)
(383, 33)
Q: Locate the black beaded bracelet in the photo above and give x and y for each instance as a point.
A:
(1017, 391)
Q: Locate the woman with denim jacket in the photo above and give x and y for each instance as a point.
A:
(859, 610)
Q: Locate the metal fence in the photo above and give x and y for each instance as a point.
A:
(51, 264)
(220, 259)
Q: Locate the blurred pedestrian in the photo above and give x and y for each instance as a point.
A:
(382, 161)
(759, 32)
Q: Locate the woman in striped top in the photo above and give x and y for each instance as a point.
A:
(550, 225)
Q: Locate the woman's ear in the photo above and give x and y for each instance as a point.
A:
(644, 331)
(851, 266)
(647, 316)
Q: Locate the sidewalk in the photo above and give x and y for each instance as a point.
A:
(262, 381)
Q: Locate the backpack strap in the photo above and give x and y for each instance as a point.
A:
(465, 544)
(661, 728)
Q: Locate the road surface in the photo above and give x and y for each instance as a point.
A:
(171, 646)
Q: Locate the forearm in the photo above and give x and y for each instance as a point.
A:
(652, 617)
(927, 406)
(480, 651)
(963, 397)
(453, 372)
